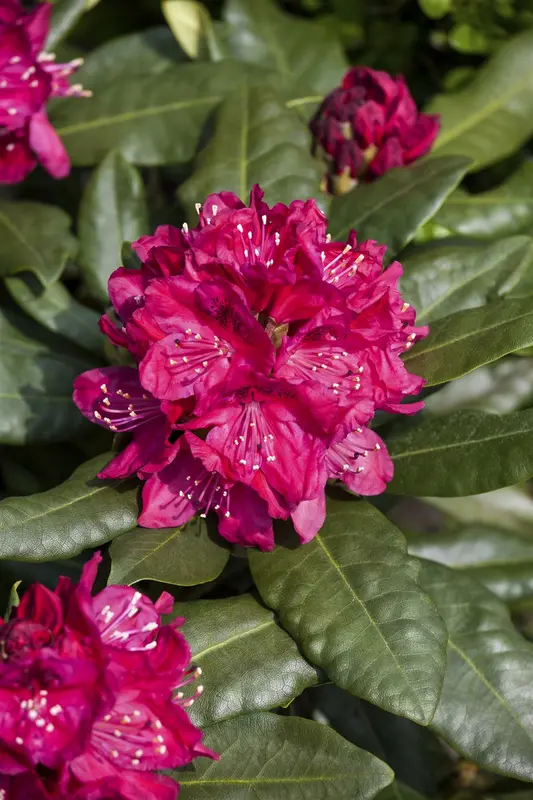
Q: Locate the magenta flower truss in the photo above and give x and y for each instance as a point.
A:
(270, 347)
(87, 695)
(370, 124)
(28, 78)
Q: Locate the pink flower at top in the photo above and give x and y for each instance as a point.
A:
(368, 125)
(263, 350)
(28, 78)
(87, 695)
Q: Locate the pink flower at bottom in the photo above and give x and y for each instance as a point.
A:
(87, 695)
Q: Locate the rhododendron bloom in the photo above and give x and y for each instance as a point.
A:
(369, 124)
(87, 694)
(28, 78)
(263, 351)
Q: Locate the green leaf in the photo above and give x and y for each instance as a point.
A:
(229, 639)
(153, 120)
(56, 309)
(80, 513)
(35, 238)
(392, 209)
(435, 9)
(35, 388)
(335, 597)
(501, 561)
(113, 210)
(468, 452)
(484, 710)
(303, 52)
(189, 21)
(257, 140)
(13, 600)
(149, 52)
(503, 211)
(493, 116)
(504, 386)
(287, 758)
(510, 508)
(65, 15)
(445, 278)
(183, 556)
(461, 342)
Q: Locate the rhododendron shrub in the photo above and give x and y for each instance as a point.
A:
(91, 700)
(368, 125)
(262, 351)
(29, 77)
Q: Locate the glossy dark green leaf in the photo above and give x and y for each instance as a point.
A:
(467, 452)
(411, 750)
(257, 140)
(56, 309)
(140, 54)
(286, 758)
(35, 388)
(461, 342)
(155, 119)
(446, 278)
(493, 116)
(392, 209)
(302, 52)
(501, 561)
(34, 238)
(113, 210)
(485, 707)
(65, 15)
(183, 556)
(399, 791)
(503, 211)
(80, 513)
(506, 385)
(248, 662)
(351, 601)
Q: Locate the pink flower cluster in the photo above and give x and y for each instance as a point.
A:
(270, 347)
(87, 703)
(28, 78)
(370, 124)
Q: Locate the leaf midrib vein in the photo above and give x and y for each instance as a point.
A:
(463, 443)
(231, 639)
(319, 540)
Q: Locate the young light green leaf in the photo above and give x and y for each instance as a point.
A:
(445, 278)
(392, 209)
(286, 758)
(500, 560)
(113, 210)
(183, 556)
(485, 707)
(190, 23)
(335, 596)
(302, 52)
(80, 513)
(34, 238)
(229, 639)
(257, 140)
(65, 15)
(493, 116)
(468, 452)
(56, 309)
(503, 211)
(461, 342)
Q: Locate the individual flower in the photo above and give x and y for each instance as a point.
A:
(87, 694)
(368, 125)
(28, 79)
(262, 350)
